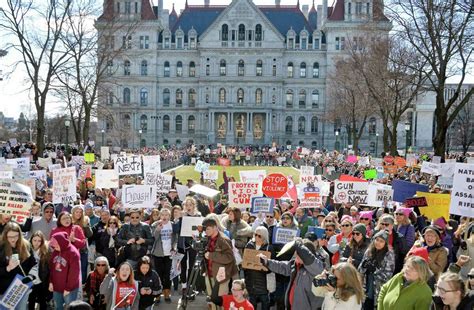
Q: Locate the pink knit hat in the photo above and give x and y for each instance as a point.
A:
(405, 211)
(366, 214)
(440, 222)
(347, 218)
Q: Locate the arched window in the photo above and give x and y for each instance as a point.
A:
(166, 124)
(315, 98)
(166, 69)
(144, 123)
(316, 70)
(301, 125)
(126, 121)
(314, 124)
(241, 69)
(126, 95)
(179, 124)
(179, 69)
(225, 32)
(191, 124)
(241, 32)
(143, 96)
(302, 98)
(165, 142)
(372, 126)
(289, 70)
(259, 68)
(192, 97)
(258, 96)
(178, 142)
(222, 95)
(314, 144)
(240, 95)
(301, 143)
(143, 143)
(303, 70)
(258, 33)
(289, 98)
(166, 97)
(179, 97)
(192, 69)
(126, 67)
(222, 67)
(144, 68)
(289, 125)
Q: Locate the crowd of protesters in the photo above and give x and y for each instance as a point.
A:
(96, 251)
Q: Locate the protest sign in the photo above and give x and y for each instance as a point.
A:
(318, 231)
(403, 189)
(38, 174)
(311, 189)
(14, 293)
(378, 194)
(310, 178)
(363, 161)
(306, 170)
(64, 185)
(190, 225)
(436, 160)
(250, 259)
(176, 265)
(107, 178)
(281, 159)
(13, 142)
(446, 183)
(201, 166)
(275, 185)
(104, 153)
(44, 162)
(15, 200)
(390, 169)
(411, 160)
(22, 163)
(31, 183)
(221, 161)
(284, 235)
(416, 202)
(151, 164)
(470, 160)
(162, 182)
(54, 167)
(377, 162)
(351, 192)
(438, 205)
(241, 193)
(262, 204)
(311, 202)
(204, 190)
(350, 178)
(400, 162)
(211, 175)
(6, 171)
(430, 168)
(447, 170)
(462, 195)
(252, 176)
(370, 174)
(351, 159)
(128, 164)
(138, 196)
(89, 157)
(182, 190)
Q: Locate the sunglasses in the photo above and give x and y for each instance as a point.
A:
(110, 223)
(399, 214)
(356, 233)
(286, 218)
(471, 276)
(101, 265)
(346, 225)
(364, 219)
(269, 217)
(257, 235)
(385, 224)
(330, 230)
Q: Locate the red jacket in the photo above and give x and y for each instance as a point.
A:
(81, 240)
(65, 265)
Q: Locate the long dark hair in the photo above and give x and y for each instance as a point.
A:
(377, 255)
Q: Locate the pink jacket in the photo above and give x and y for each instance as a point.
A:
(81, 241)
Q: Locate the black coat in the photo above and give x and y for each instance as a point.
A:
(256, 281)
(149, 280)
(7, 277)
(356, 252)
(467, 303)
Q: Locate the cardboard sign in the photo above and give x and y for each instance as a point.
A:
(306, 170)
(211, 175)
(275, 185)
(250, 259)
(15, 200)
(182, 190)
(104, 152)
(64, 185)
(189, 226)
(201, 166)
(162, 182)
(430, 168)
(138, 196)
(262, 204)
(351, 192)
(151, 164)
(379, 194)
(252, 176)
(416, 202)
(204, 190)
(106, 179)
(370, 174)
(403, 189)
(462, 195)
(128, 165)
(284, 235)
(438, 205)
(241, 193)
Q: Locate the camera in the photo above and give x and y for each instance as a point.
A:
(199, 243)
(330, 279)
(370, 265)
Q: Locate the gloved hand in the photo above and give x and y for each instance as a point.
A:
(26, 280)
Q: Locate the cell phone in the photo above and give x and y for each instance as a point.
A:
(15, 257)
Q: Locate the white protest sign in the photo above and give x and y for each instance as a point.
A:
(462, 194)
(262, 204)
(54, 167)
(182, 190)
(310, 178)
(203, 190)
(306, 170)
(44, 162)
(284, 235)
(138, 196)
(436, 160)
(189, 225)
(376, 161)
(31, 183)
(447, 170)
(305, 151)
(321, 188)
(378, 194)
(351, 192)
(38, 174)
(470, 160)
(211, 175)
(241, 193)
(176, 265)
(450, 160)
(128, 164)
(430, 168)
(252, 176)
(151, 164)
(364, 161)
(15, 200)
(201, 166)
(78, 160)
(64, 185)
(104, 152)
(446, 183)
(22, 163)
(6, 171)
(13, 142)
(310, 203)
(162, 182)
(106, 179)
(411, 160)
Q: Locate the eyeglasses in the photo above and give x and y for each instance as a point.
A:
(401, 214)
(346, 225)
(330, 230)
(385, 224)
(356, 233)
(257, 235)
(364, 219)
(101, 265)
(236, 290)
(269, 217)
(443, 290)
(110, 223)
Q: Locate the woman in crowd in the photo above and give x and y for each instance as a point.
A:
(74, 232)
(16, 258)
(338, 243)
(407, 289)
(40, 293)
(149, 284)
(377, 267)
(120, 289)
(82, 220)
(154, 216)
(176, 213)
(366, 219)
(437, 253)
(238, 298)
(108, 240)
(238, 229)
(302, 220)
(451, 294)
(93, 282)
(357, 246)
(404, 225)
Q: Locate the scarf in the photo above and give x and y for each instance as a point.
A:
(96, 280)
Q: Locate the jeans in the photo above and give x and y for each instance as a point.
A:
(60, 300)
(262, 298)
(84, 265)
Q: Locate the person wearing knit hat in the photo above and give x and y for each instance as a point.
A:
(357, 246)
(404, 226)
(365, 218)
(338, 243)
(437, 253)
(421, 252)
(382, 235)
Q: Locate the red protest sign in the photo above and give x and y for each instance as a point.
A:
(223, 161)
(416, 202)
(275, 185)
(388, 159)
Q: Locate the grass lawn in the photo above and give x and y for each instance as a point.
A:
(187, 172)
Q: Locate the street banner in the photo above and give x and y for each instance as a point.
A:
(15, 200)
(462, 195)
(201, 166)
(404, 189)
(351, 192)
(310, 178)
(378, 194)
(104, 153)
(138, 196)
(251, 260)
(190, 225)
(162, 182)
(106, 179)
(275, 185)
(306, 170)
(370, 174)
(252, 176)
(212, 175)
(44, 162)
(241, 194)
(64, 185)
(262, 204)
(430, 168)
(128, 164)
(416, 202)
(438, 205)
(204, 190)
(151, 164)
(284, 235)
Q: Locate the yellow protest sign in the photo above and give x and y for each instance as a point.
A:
(89, 157)
(438, 205)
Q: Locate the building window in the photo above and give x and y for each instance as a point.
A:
(167, 69)
(109, 124)
(240, 95)
(191, 124)
(222, 67)
(241, 68)
(301, 125)
(258, 96)
(358, 8)
(126, 95)
(258, 33)
(259, 68)
(144, 68)
(303, 70)
(179, 69)
(372, 126)
(192, 69)
(144, 123)
(192, 97)
(179, 124)
(316, 43)
(304, 43)
(289, 125)
(340, 43)
(179, 42)
(316, 70)
(110, 67)
(289, 98)
(192, 42)
(274, 99)
(144, 42)
(222, 95)
(126, 67)
(241, 32)
(274, 70)
(315, 98)
(143, 96)
(302, 98)
(314, 124)
(225, 32)
(179, 97)
(289, 70)
(110, 98)
(126, 121)
(208, 70)
(167, 42)
(166, 124)
(166, 97)
(127, 42)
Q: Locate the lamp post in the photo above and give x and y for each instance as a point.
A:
(407, 135)
(103, 133)
(376, 143)
(336, 146)
(67, 123)
(140, 131)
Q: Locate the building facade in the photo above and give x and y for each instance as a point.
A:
(235, 74)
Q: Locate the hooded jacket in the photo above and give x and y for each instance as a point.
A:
(80, 242)
(65, 265)
(43, 225)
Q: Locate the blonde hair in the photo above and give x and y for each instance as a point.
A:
(420, 265)
(190, 200)
(83, 220)
(352, 283)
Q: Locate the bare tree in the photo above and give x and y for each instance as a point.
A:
(442, 33)
(37, 28)
(463, 127)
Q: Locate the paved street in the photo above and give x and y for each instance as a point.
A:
(199, 303)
